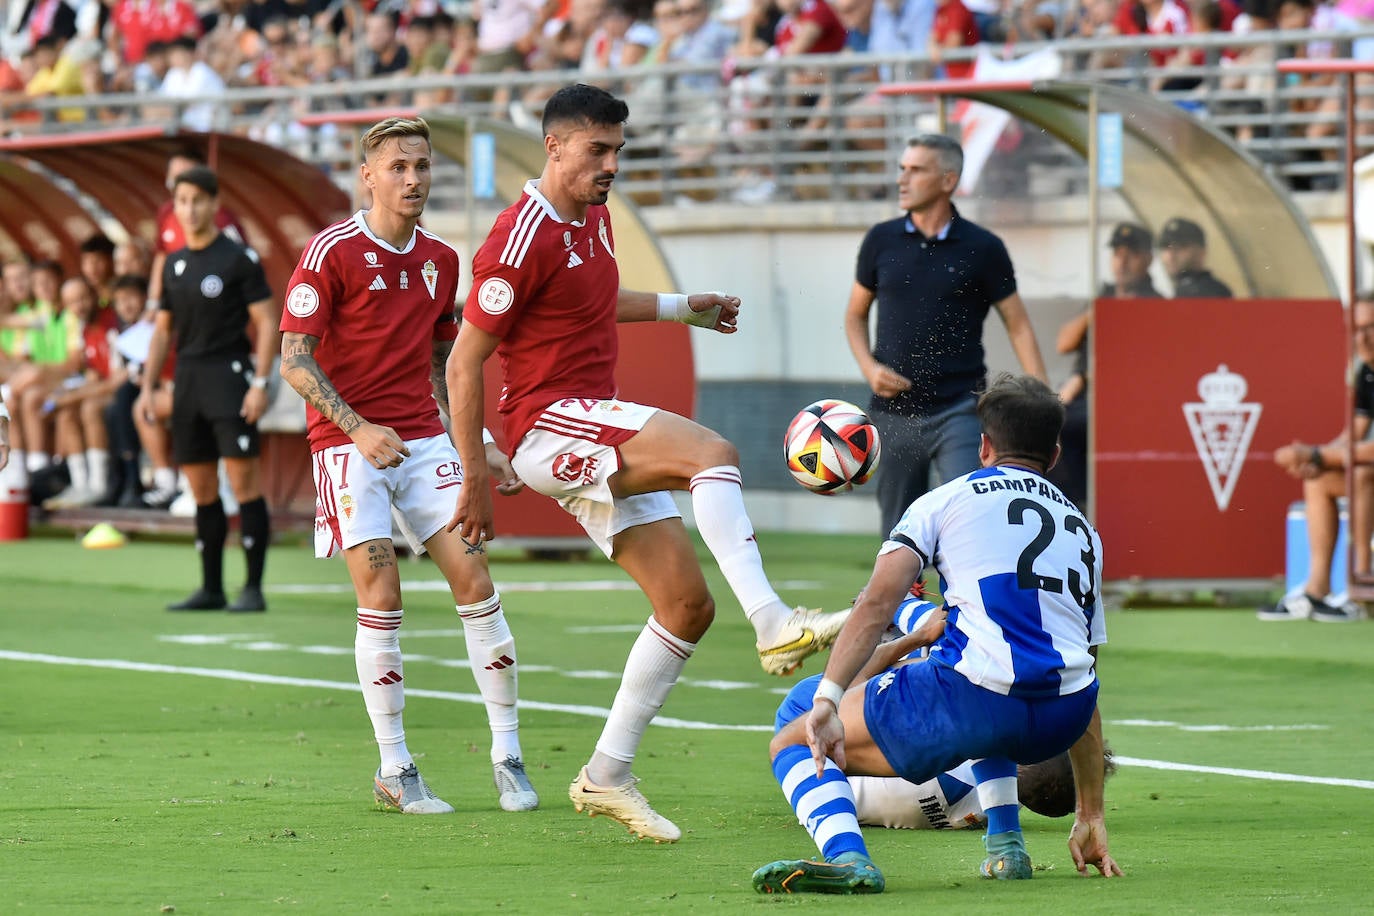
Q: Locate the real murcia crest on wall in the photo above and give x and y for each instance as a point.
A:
(1222, 426)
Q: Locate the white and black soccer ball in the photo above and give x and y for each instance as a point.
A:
(831, 447)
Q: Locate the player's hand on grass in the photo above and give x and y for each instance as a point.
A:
(508, 483)
(825, 735)
(380, 446)
(1088, 846)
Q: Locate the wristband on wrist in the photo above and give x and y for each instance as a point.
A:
(1316, 458)
(153, 305)
(487, 437)
(675, 307)
(828, 690)
(259, 381)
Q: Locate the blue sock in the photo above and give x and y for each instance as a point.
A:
(996, 777)
(825, 806)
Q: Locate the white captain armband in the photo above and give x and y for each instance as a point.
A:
(487, 437)
(828, 690)
(674, 307)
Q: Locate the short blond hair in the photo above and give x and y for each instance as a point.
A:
(393, 128)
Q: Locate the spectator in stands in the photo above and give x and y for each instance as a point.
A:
(1132, 252)
(61, 71)
(619, 42)
(954, 27)
(386, 56)
(1183, 252)
(48, 19)
(508, 33)
(125, 487)
(136, 23)
(189, 77)
(1321, 468)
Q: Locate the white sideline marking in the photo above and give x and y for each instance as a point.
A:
(439, 585)
(593, 711)
(1245, 774)
(1161, 723)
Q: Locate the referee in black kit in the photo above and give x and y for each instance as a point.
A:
(211, 289)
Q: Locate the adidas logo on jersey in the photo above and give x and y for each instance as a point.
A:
(378, 283)
(573, 259)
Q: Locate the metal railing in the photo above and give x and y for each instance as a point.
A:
(793, 129)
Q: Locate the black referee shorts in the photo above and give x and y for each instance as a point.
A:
(206, 425)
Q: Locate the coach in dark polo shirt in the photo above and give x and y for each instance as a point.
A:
(1183, 252)
(935, 276)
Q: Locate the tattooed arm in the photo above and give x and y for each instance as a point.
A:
(438, 372)
(379, 445)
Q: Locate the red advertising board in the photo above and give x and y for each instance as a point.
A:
(655, 368)
(1190, 400)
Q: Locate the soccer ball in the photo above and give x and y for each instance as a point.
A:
(831, 447)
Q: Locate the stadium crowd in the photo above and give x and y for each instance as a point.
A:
(196, 49)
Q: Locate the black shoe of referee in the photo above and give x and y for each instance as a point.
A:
(250, 599)
(201, 600)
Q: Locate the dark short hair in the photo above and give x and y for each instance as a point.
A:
(1021, 417)
(98, 244)
(130, 281)
(200, 177)
(1047, 787)
(583, 106)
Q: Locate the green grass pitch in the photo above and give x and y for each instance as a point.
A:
(213, 763)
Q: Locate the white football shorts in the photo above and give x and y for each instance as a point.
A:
(570, 454)
(354, 501)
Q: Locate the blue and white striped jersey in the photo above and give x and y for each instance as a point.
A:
(1019, 571)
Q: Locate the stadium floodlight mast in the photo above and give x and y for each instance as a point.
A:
(1359, 583)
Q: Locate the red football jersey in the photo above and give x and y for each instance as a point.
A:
(832, 36)
(171, 237)
(377, 312)
(548, 289)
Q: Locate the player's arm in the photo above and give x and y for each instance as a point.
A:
(1088, 839)
(1022, 335)
(472, 513)
(716, 311)
(158, 345)
(265, 317)
(155, 280)
(1072, 332)
(380, 446)
(893, 573)
(890, 653)
(498, 464)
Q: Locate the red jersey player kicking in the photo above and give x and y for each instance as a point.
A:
(546, 297)
(367, 328)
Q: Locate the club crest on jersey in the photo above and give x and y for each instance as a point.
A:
(303, 301)
(346, 507)
(571, 468)
(405, 280)
(603, 234)
(430, 274)
(495, 296)
(179, 268)
(371, 258)
(211, 287)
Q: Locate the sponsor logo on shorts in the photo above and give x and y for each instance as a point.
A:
(495, 296)
(571, 468)
(303, 301)
(886, 680)
(211, 287)
(449, 474)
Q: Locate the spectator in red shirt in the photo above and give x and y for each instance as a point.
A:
(138, 22)
(954, 28)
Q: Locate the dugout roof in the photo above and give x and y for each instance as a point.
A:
(1176, 165)
(280, 200)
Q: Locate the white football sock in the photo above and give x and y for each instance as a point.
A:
(97, 469)
(718, 503)
(37, 461)
(656, 661)
(491, 652)
(377, 652)
(77, 470)
(164, 479)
